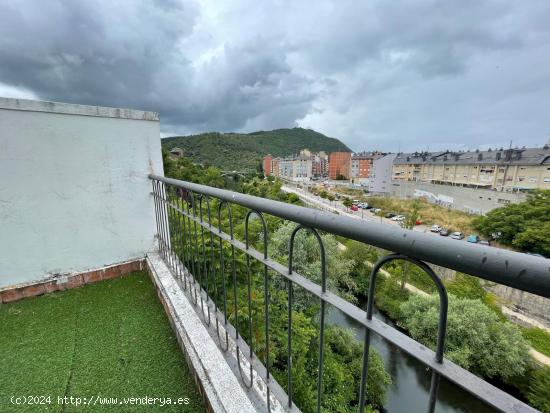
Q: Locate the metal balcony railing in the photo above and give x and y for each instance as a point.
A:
(185, 218)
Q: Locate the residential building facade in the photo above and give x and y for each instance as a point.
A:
(268, 165)
(360, 167)
(339, 164)
(320, 164)
(302, 167)
(380, 179)
(505, 170)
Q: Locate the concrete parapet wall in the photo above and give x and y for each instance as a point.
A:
(222, 390)
(74, 193)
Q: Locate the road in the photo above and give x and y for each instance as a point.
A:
(337, 206)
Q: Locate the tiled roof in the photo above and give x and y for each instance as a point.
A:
(524, 156)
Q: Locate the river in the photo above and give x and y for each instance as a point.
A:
(409, 392)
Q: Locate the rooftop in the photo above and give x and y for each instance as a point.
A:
(250, 312)
(110, 339)
(524, 156)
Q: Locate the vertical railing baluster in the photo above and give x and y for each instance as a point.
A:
(156, 201)
(266, 322)
(192, 245)
(170, 217)
(442, 324)
(163, 221)
(289, 343)
(320, 361)
(183, 238)
(212, 270)
(198, 275)
(204, 276)
(222, 273)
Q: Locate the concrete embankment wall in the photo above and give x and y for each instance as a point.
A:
(476, 201)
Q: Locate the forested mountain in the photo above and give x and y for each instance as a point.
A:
(236, 151)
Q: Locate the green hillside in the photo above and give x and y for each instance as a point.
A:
(235, 151)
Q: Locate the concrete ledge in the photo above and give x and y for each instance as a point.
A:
(73, 109)
(217, 383)
(68, 281)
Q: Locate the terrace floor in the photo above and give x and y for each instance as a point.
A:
(111, 339)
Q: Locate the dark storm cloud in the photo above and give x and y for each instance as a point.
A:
(375, 74)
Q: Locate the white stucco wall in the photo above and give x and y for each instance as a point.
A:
(381, 172)
(74, 192)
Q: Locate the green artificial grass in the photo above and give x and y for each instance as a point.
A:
(109, 340)
(539, 339)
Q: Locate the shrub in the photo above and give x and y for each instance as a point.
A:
(539, 389)
(476, 339)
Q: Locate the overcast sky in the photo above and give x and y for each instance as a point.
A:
(387, 75)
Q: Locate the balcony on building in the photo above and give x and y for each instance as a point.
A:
(84, 200)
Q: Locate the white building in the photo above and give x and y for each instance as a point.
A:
(302, 168)
(380, 181)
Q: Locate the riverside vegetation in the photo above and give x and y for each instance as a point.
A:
(479, 338)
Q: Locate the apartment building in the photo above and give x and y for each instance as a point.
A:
(380, 179)
(505, 170)
(320, 164)
(301, 167)
(268, 165)
(286, 168)
(339, 164)
(361, 164)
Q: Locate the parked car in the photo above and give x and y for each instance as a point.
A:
(363, 205)
(484, 242)
(354, 208)
(435, 228)
(474, 239)
(390, 215)
(376, 210)
(355, 202)
(444, 232)
(398, 218)
(418, 222)
(457, 235)
(369, 207)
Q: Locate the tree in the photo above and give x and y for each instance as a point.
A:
(331, 198)
(539, 389)
(293, 198)
(323, 194)
(476, 338)
(413, 215)
(347, 203)
(409, 223)
(307, 261)
(362, 255)
(525, 225)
